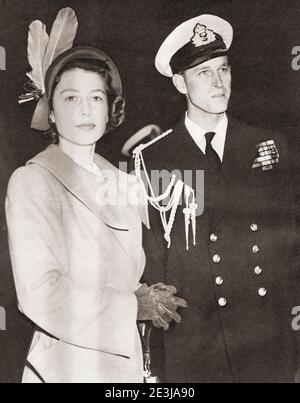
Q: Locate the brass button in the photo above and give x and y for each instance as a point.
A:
(219, 280)
(254, 227)
(217, 259)
(262, 292)
(222, 302)
(258, 270)
(255, 249)
(213, 238)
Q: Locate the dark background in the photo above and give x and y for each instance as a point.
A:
(266, 90)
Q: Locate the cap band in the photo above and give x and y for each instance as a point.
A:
(190, 55)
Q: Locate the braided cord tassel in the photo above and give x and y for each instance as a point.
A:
(189, 211)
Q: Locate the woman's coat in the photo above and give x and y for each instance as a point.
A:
(76, 249)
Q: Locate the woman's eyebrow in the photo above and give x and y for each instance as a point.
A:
(99, 90)
(73, 90)
(69, 89)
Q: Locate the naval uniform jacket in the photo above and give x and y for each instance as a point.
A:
(237, 327)
(77, 262)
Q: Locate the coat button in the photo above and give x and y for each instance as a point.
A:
(255, 249)
(258, 270)
(254, 227)
(222, 302)
(219, 280)
(262, 292)
(213, 238)
(217, 259)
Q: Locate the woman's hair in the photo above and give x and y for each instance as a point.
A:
(116, 104)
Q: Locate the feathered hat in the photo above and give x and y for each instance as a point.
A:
(42, 51)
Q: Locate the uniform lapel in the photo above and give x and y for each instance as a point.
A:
(239, 155)
(183, 153)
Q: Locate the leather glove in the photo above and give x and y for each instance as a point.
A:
(158, 304)
(167, 306)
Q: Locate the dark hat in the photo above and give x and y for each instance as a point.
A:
(194, 42)
(80, 53)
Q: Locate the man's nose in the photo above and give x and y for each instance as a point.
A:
(217, 81)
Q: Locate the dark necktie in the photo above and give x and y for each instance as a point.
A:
(210, 154)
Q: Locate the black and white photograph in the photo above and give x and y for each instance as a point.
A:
(150, 194)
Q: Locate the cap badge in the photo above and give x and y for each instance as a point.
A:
(202, 35)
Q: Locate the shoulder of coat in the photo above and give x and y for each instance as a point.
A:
(29, 178)
(151, 143)
(257, 132)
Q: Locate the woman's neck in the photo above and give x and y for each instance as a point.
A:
(82, 155)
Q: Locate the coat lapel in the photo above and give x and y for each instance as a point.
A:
(239, 155)
(85, 187)
(82, 184)
(184, 154)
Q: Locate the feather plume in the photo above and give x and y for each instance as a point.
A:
(62, 35)
(37, 43)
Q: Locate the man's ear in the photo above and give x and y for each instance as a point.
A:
(179, 82)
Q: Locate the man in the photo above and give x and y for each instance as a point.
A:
(238, 279)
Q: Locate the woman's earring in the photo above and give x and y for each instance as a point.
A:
(51, 117)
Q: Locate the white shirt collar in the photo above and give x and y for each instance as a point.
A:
(198, 134)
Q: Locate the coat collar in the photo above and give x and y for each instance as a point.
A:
(198, 135)
(85, 186)
(183, 151)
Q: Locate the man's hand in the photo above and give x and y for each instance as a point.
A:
(159, 304)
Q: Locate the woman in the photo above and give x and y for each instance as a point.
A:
(75, 236)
